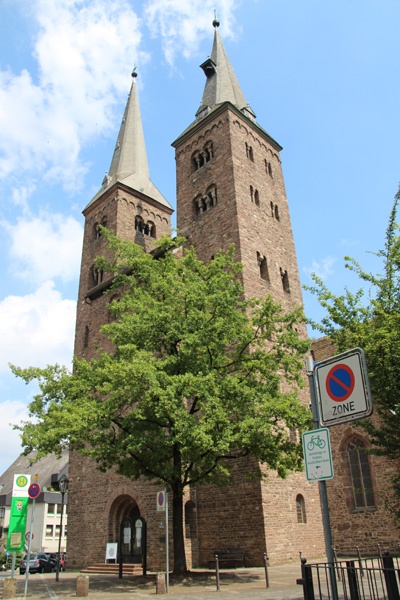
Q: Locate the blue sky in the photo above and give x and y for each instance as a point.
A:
(322, 78)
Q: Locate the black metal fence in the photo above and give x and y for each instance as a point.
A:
(356, 579)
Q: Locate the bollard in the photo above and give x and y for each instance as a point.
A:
(266, 570)
(10, 587)
(82, 586)
(217, 571)
(306, 580)
(161, 587)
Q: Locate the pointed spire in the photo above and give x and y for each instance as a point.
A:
(129, 162)
(222, 84)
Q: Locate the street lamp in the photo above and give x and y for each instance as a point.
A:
(63, 487)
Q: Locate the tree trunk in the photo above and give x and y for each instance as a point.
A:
(177, 527)
(177, 515)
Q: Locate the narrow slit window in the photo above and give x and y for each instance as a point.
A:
(263, 266)
(301, 509)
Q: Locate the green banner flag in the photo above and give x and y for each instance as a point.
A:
(18, 514)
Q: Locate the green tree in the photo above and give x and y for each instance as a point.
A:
(372, 322)
(198, 377)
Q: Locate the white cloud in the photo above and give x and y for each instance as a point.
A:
(45, 247)
(183, 24)
(37, 329)
(13, 413)
(84, 53)
(20, 196)
(323, 268)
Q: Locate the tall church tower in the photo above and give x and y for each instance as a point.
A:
(230, 190)
(230, 186)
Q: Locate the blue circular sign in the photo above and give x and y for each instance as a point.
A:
(34, 490)
(340, 383)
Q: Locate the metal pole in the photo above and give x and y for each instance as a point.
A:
(59, 539)
(266, 570)
(13, 561)
(217, 571)
(166, 545)
(29, 549)
(323, 494)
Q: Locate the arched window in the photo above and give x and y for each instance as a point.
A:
(96, 276)
(97, 231)
(363, 494)
(151, 229)
(301, 509)
(285, 280)
(263, 266)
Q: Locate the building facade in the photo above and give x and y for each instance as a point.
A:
(230, 190)
(360, 491)
(47, 524)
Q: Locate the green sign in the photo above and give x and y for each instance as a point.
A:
(17, 526)
(18, 514)
(317, 454)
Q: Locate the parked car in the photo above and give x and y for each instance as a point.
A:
(38, 563)
(54, 559)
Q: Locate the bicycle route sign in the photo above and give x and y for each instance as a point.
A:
(317, 454)
(342, 388)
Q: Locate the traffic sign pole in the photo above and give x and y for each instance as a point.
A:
(29, 548)
(323, 494)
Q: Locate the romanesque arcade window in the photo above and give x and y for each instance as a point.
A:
(147, 228)
(249, 152)
(274, 211)
(254, 196)
(360, 473)
(268, 167)
(97, 232)
(202, 157)
(204, 203)
(96, 276)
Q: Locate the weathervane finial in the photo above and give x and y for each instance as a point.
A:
(215, 22)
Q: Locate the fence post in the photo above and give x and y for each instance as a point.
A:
(390, 577)
(352, 579)
(360, 562)
(307, 580)
(217, 571)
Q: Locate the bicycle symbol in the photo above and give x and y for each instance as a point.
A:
(316, 441)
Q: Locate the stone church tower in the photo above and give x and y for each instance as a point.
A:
(230, 189)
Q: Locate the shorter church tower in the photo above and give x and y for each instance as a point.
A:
(131, 206)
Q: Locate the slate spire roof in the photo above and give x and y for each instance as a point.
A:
(129, 164)
(222, 84)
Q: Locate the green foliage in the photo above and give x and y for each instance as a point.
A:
(198, 376)
(373, 324)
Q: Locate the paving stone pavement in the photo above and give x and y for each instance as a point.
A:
(198, 585)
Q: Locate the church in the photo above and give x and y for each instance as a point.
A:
(230, 190)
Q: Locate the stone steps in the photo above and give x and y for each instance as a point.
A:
(113, 569)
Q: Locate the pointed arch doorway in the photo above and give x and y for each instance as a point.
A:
(128, 528)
